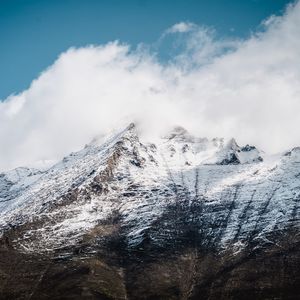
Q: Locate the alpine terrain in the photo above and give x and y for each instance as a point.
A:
(181, 218)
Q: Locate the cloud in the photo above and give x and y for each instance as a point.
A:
(193, 46)
(181, 27)
(247, 89)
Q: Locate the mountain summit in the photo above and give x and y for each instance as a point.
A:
(182, 218)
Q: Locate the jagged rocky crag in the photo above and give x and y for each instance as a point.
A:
(184, 218)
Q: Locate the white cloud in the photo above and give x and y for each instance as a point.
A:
(181, 27)
(194, 46)
(247, 89)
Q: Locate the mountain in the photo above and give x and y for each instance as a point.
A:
(182, 218)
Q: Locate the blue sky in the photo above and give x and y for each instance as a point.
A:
(34, 32)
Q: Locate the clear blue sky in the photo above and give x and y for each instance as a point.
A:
(34, 32)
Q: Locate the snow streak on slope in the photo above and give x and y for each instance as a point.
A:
(13, 182)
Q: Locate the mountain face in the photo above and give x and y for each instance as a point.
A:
(184, 218)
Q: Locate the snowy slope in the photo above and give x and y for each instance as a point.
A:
(232, 194)
(13, 182)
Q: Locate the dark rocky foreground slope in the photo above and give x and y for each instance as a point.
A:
(185, 218)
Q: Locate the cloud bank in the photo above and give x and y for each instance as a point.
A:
(247, 89)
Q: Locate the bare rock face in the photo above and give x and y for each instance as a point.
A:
(185, 218)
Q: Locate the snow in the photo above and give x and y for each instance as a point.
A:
(14, 181)
(255, 191)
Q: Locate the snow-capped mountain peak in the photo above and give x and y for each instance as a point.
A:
(122, 197)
